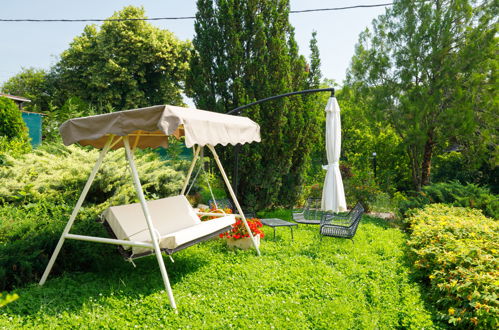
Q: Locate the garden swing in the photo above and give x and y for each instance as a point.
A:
(167, 224)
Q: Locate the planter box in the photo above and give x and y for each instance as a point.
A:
(243, 243)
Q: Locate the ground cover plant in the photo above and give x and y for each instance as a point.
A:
(305, 283)
(455, 250)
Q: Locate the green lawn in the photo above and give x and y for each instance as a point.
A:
(305, 283)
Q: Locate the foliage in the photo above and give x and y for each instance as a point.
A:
(245, 51)
(239, 231)
(54, 172)
(29, 233)
(8, 299)
(11, 122)
(305, 283)
(360, 187)
(457, 165)
(124, 64)
(362, 136)
(39, 191)
(73, 107)
(13, 147)
(32, 84)
(455, 194)
(455, 250)
(14, 139)
(428, 69)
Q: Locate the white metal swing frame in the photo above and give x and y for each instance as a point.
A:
(154, 245)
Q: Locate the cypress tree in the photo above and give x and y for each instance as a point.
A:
(245, 51)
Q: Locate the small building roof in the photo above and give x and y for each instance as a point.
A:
(15, 98)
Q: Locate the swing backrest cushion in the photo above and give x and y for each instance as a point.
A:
(173, 217)
(168, 215)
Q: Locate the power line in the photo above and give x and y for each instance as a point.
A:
(177, 18)
(341, 8)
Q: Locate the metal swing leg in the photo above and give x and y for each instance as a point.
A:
(75, 211)
(145, 209)
(233, 195)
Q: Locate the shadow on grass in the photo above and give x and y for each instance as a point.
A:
(71, 291)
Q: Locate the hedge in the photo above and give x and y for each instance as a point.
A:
(455, 251)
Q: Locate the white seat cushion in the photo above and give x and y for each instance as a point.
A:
(173, 218)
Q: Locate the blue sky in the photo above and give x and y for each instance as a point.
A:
(38, 45)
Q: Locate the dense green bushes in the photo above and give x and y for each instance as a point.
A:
(29, 233)
(455, 249)
(37, 195)
(455, 194)
(55, 172)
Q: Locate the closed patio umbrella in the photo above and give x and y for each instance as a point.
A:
(333, 194)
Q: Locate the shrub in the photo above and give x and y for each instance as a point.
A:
(11, 121)
(455, 194)
(13, 147)
(455, 249)
(55, 172)
(14, 137)
(29, 234)
(38, 193)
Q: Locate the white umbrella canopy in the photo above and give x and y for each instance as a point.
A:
(333, 194)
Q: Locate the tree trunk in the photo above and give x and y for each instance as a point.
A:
(415, 168)
(426, 164)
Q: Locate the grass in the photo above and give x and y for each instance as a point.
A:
(305, 283)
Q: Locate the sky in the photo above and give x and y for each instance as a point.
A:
(38, 45)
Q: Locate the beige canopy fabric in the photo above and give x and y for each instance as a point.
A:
(148, 127)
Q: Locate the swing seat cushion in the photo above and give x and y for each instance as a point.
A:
(173, 218)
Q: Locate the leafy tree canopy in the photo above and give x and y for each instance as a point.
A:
(30, 83)
(124, 64)
(429, 69)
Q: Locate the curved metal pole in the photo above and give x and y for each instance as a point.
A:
(238, 110)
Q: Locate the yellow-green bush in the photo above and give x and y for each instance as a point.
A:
(55, 171)
(456, 250)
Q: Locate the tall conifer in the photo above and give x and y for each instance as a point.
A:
(246, 51)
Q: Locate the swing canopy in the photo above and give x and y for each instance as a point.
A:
(148, 127)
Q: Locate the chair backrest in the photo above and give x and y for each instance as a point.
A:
(357, 209)
(356, 215)
(312, 209)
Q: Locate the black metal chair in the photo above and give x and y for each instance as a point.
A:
(310, 214)
(341, 226)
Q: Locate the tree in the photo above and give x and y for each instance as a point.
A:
(30, 83)
(417, 69)
(124, 64)
(245, 51)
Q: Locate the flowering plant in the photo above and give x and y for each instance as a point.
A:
(239, 231)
